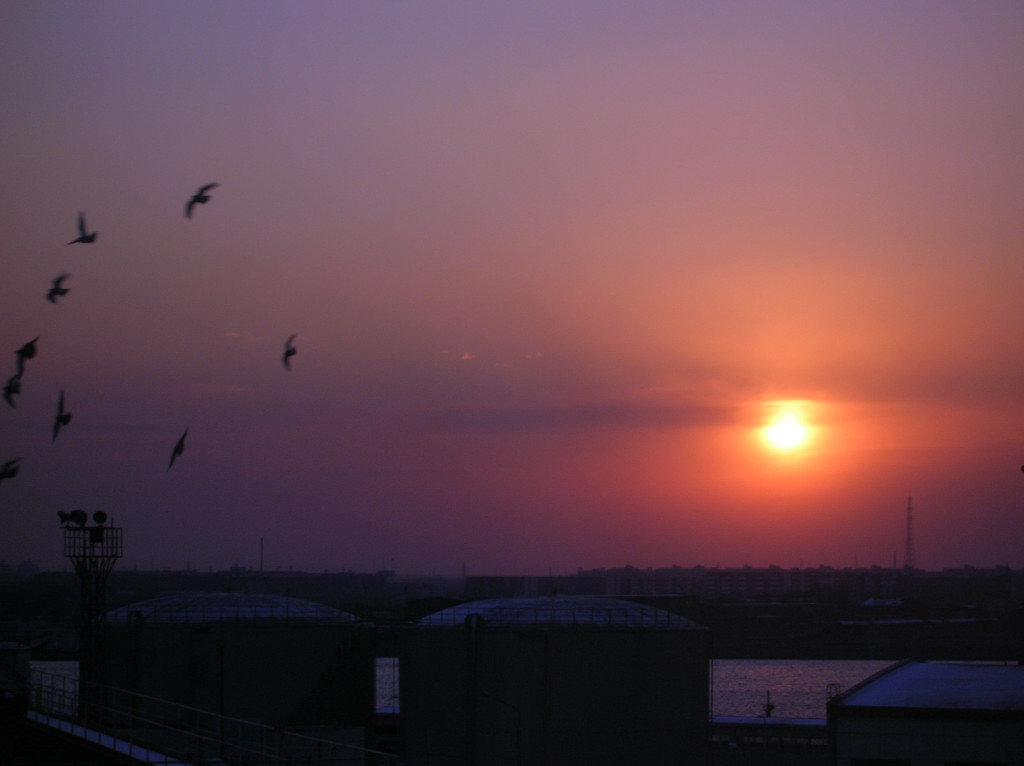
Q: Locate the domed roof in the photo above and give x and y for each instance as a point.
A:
(229, 607)
(560, 612)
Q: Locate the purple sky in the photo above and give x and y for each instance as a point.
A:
(553, 267)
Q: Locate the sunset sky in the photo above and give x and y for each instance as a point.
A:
(552, 267)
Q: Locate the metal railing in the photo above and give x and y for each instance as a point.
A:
(53, 694)
(167, 732)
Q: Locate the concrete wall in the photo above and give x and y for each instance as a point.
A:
(974, 737)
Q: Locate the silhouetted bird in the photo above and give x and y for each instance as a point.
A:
(178, 448)
(62, 419)
(11, 388)
(9, 469)
(199, 198)
(289, 352)
(57, 289)
(83, 235)
(27, 351)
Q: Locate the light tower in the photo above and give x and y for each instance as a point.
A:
(93, 551)
(908, 559)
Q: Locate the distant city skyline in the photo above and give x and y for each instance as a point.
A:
(27, 568)
(525, 287)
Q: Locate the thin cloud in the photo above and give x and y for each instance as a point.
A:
(215, 390)
(585, 416)
(244, 337)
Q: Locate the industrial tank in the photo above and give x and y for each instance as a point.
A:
(276, 660)
(561, 679)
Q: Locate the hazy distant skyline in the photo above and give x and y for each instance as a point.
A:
(551, 269)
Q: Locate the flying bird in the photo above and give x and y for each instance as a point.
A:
(289, 352)
(27, 351)
(58, 289)
(9, 469)
(178, 448)
(83, 235)
(11, 388)
(62, 419)
(201, 197)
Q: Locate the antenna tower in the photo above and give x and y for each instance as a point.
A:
(908, 560)
(93, 551)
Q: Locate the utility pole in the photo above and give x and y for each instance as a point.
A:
(908, 559)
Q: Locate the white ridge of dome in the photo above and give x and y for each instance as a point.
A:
(560, 612)
(229, 607)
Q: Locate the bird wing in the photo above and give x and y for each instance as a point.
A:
(57, 289)
(59, 420)
(204, 189)
(81, 224)
(178, 448)
(289, 351)
(28, 350)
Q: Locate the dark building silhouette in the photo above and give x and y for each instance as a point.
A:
(921, 713)
(275, 660)
(557, 679)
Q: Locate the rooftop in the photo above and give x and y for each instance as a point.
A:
(939, 685)
(229, 607)
(560, 611)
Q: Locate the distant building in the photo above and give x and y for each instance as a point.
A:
(930, 714)
(998, 588)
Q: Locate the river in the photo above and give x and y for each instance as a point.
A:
(798, 688)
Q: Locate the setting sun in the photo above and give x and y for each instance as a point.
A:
(786, 433)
